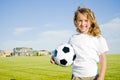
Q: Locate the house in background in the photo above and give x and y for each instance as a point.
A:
(23, 51)
(43, 52)
(40, 52)
(5, 53)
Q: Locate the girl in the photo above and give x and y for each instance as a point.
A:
(89, 46)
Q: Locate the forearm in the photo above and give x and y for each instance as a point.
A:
(102, 66)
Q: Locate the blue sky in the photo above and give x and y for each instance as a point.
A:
(44, 24)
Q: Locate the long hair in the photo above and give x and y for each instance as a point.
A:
(94, 30)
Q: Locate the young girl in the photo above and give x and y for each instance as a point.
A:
(89, 46)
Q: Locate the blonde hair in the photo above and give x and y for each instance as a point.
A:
(94, 30)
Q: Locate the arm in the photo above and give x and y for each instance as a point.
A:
(52, 60)
(102, 66)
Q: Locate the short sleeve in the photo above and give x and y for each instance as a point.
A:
(103, 47)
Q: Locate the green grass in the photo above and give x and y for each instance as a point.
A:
(32, 68)
(40, 68)
(113, 67)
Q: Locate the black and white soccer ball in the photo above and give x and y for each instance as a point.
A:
(64, 55)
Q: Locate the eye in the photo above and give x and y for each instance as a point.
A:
(79, 20)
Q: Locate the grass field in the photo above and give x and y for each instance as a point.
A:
(39, 68)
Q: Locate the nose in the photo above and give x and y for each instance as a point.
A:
(83, 23)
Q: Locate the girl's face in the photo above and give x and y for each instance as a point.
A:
(82, 23)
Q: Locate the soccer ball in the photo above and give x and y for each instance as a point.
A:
(64, 55)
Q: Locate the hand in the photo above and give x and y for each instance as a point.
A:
(52, 60)
(100, 78)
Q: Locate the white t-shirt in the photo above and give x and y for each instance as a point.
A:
(87, 49)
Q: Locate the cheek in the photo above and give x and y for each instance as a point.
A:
(88, 25)
(77, 24)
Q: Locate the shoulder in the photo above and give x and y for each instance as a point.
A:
(101, 38)
(103, 47)
(102, 41)
(74, 35)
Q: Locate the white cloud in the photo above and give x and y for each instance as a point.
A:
(22, 30)
(60, 34)
(48, 40)
(49, 25)
(111, 31)
(112, 28)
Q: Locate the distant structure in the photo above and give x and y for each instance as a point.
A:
(5, 53)
(23, 51)
(43, 52)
